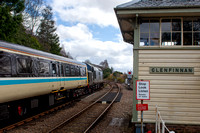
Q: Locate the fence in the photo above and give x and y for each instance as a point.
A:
(159, 121)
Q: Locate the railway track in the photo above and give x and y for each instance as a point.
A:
(22, 122)
(84, 120)
(37, 116)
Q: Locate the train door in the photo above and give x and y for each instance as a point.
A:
(62, 79)
(55, 74)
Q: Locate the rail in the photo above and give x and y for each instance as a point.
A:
(75, 116)
(103, 111)
(17, 124)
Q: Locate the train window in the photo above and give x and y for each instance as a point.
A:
(77, 71)
(73, 70)
(43, 68)
(62, 70)
(5, 64)
(67, 70)
(53, 68)
(79, 74)
(94, 74)
(24, 65)
(82, 71)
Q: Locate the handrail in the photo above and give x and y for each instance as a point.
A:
(160, 120)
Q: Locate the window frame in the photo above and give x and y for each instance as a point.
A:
(17, 65)
(69, 69)
(10, 60)
(171, 31)
(72, 70)
(149, 32)
(39, 68)
(56, 69)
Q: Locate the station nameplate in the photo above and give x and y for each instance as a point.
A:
(171, 70)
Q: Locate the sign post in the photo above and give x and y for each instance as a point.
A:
(142, 93)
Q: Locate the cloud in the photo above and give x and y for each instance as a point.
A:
(77, 32)
(98, 12)
(78, 40)
(77, 23)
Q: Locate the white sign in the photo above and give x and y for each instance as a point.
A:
(129, 76)
(143, 90)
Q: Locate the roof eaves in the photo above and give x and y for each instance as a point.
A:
(167, 7)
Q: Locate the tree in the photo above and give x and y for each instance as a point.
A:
(22, 38)
(106, 72)
(32, 15)
(112, 69)
(10, 18)
(46, 32)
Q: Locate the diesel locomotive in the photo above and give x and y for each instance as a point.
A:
(31, 79)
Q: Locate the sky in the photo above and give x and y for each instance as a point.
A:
(88, 30)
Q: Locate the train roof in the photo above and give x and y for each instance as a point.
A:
(89, 66)
(34, 52)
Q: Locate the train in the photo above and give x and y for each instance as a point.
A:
(31, 79)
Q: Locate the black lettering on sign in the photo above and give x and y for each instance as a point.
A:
(171, 70)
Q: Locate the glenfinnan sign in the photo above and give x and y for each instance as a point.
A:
(171, 70)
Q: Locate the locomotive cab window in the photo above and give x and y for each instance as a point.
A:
(24, 65)
(5, 64)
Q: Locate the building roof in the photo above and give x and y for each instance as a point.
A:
(128, 13)
(160, 4)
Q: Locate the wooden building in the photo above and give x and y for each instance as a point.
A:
(165, 35)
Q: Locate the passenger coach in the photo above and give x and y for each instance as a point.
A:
(30, 78)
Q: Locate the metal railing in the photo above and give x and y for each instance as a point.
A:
(159, 121)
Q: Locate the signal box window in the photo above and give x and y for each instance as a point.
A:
(149, 32)
(5, 64)
(24, 65)
(196, 31)
(171, 32)
(182, 31)
(187, 31)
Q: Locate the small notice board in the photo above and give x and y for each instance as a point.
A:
(143, 90)
(141, 107)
